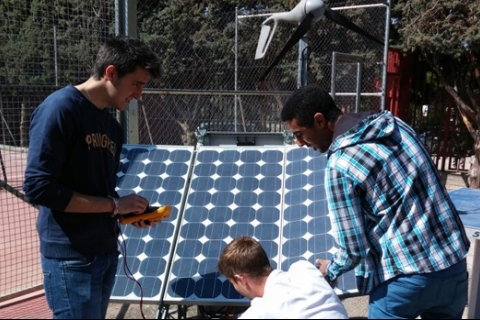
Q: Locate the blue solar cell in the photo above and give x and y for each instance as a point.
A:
(244, 214)
(268, 215)
(189, 248)
(316, 178)
(296, 196)
(195, 214)
(266, 231)
(227, 169)
(268, 198)
(208, 287)
(152, 265)
(160, 156)
(173, 183)
(158, 247)
(249, 170)
(220, 214)
(319, 225)
(192, 231)
(227, 156)
(320, 245)
(217, 231)
(135, 246)
(229, 292)
(222, 198)
(242, 229)
(202, 184)
(205, 169)
(208, 268)
(295, 247)
(246, 199)
(225, 183)
(298, 167)
(199, 199)
(212, 248)
(273, 156)
(181, 156)
(297, 181)
(187, 267)
(251, 157)
(270, 184)
(177, 169)
(151, 182)
(173, 198)
(318, 208)
(247, 184)
(129, 182)
(272, 170)
(295, 229)
(155, 169)
(295, 212)
(207, 156)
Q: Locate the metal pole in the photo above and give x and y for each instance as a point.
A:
(385, 55)
(334, 72)
(236, 67)
(55, 54)
(302, 63)
(359, 85)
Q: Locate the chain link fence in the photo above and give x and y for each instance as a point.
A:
(218, 87)
(210, 81)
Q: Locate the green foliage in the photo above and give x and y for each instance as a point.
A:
(40, 40)
(439, 27)
(445, 34)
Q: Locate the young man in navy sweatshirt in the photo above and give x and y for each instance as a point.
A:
(73, 158)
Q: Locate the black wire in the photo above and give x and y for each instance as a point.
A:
(126, 269)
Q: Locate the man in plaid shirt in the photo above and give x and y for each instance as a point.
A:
(392, 216)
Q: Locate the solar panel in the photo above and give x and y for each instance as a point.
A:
(274, 194)
(306, 229)
(234, 191)
(160, 174)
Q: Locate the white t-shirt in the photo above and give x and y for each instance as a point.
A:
(299, 293)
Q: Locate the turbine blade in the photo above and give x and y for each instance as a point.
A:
(302, 28)
(340, 19)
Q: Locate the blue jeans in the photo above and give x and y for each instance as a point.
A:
(436, 295)
(79, 288)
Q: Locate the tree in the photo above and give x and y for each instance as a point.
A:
(445, 34)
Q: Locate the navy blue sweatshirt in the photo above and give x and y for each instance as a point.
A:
(74, 146)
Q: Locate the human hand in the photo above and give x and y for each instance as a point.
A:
(145, 223)
(132, 203)
(323, 270)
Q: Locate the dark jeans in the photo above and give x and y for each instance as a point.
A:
(436, 295)
(79, 288)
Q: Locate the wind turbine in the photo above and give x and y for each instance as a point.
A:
(305, 13)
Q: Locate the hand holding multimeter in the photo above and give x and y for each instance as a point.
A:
(151, 214)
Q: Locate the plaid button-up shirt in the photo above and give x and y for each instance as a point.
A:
(388, 205)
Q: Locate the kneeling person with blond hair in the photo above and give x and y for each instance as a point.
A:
(299, 293)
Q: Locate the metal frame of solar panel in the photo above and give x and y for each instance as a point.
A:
(272, 193)
(160, 174)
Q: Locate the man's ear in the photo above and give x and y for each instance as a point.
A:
(241, 278)
(110, 72)
(319, 120)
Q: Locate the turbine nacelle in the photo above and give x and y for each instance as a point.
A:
(295, 16)
(305, 14)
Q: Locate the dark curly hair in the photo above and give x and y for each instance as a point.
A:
(126, 54)
(305, 102)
